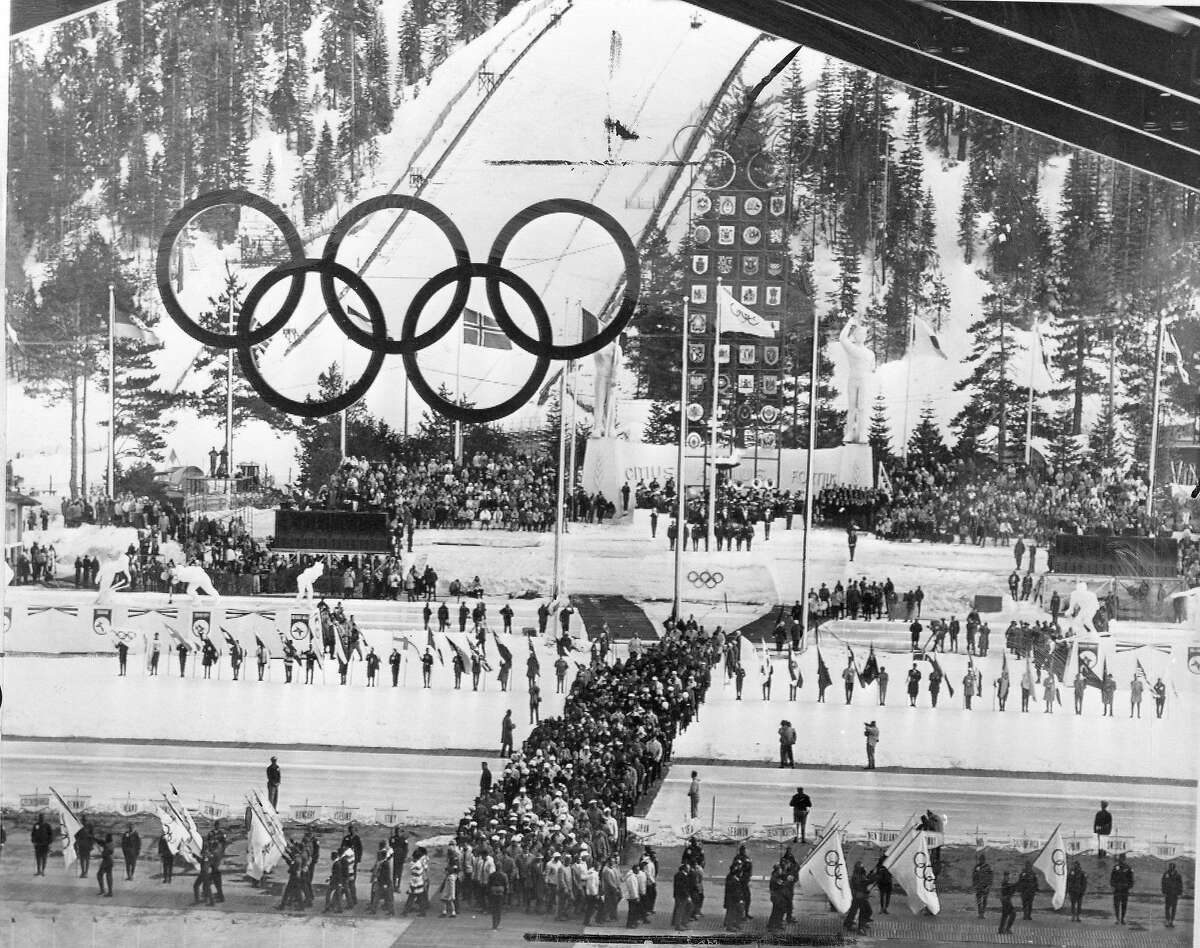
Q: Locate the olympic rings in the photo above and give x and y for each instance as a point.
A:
(377, 340)
(462, 258)
(418, 381)
(162, 269)
(706, 579)
(245, 351)
(633, 277)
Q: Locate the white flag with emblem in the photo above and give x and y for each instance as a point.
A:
(68, 826)
(912, 868)
(826, 867)
(732, 316)
(266, 842)
(1052, 864)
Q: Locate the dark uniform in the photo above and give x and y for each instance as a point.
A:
(274, 778)
(394, 663)
(122, 658)
(167, 858)
(1027, 885)
(104, 872)
(41, 836)
(1172, 889)
(183, 654)
(1121, 881)
(131, 848)
(1008, 912)
(981, 883)
(215, 843)
(426, 667)
(1076, 888)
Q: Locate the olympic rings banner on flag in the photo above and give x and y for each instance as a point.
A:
(249, 334)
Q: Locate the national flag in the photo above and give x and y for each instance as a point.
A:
(870, 669)
(458, 652)
(478, 653)
(1041, 379)
(339, 646)
(589, 323)
(229, 638)
(912, 869)
(1051, 862)
(824, 679)
(266, 843)
(548, 387)
(732, 316)
(182, 829)
(481, 329)
(502, 650)
(68, 825)
(1140, 670)
(120, 316)
(858, 674)
(902, 836)
(932, 659)
(261, 644)
(924, 340)
(826, 866)
(1173, 348)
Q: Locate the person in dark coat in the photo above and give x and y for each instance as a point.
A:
(1008, 912)
(1027, 886)
(41, 836)
(859, 916)
(681, 890)
(1121, 881)
(1102, 824)
(131, 848)
(881, 878)
(104, 872)
(84, 841)
(167, 858)
(981, 883)
(735, 909)
(1172, 889)
(1076, 888)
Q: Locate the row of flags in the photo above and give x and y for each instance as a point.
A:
(266, 843)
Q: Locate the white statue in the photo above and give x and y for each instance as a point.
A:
(113, 576)
(195, 579)
(306, 580)
(860, 364)
(1082, 608)
(606, 387)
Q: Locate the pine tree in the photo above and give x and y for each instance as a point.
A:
(926, 448)
(324, 172)
(659, 320)
(408, 50)
(1064, 450)
(662, 425)
(966, 225)
(844, 296)
(210, 367)
(993, 393)
(268, 177)
(880, 434)
(376, 72)
(1083, 281)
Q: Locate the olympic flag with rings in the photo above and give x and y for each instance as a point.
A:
(1051, 862)
(825, 867)
(249, 335)
(913, 869)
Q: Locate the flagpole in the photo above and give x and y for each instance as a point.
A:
(711, 474)
(229, 417)
(808, 475)
(908, 356)
(112, 390)
(562, 463)
(1158, 347)
(574, 428)
(681, 504)
(1033, 354)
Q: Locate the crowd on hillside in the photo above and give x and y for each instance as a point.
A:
(975, 503)
(485, 492)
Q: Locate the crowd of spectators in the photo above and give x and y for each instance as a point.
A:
(488, 492)
(553, 821)
(976, 502)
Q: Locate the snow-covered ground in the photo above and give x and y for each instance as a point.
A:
(622, 559)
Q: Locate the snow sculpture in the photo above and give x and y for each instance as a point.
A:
(1082, 608)
(605, 388)
(306, 580)
(107, 577)
(195, 580)
(860, 363)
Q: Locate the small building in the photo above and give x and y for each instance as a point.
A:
(14, 519)
(182, 482)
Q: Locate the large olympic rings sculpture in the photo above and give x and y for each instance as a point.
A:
(377, 340)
